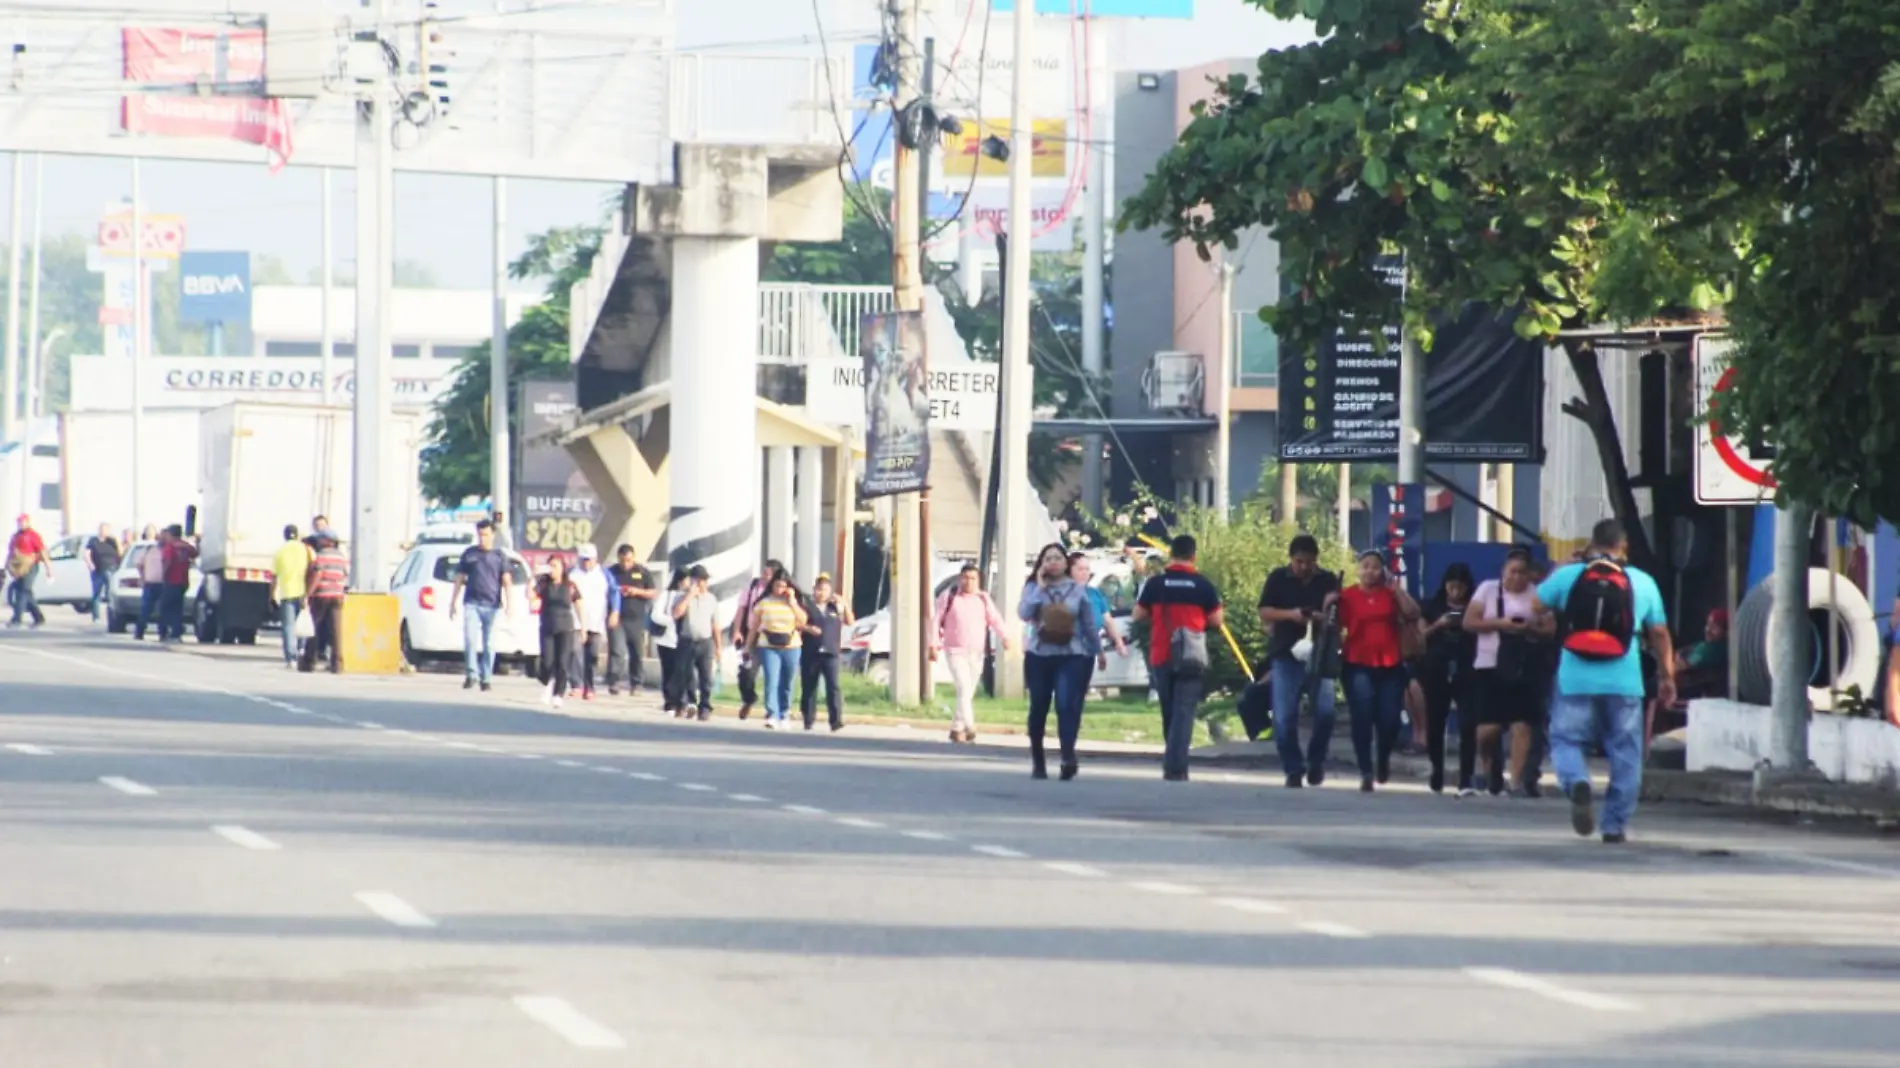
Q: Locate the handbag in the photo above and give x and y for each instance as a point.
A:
(305, 628)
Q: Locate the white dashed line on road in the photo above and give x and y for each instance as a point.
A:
(371, 726)
(750, 799)
(30, 750)
(1070, 868)
(570, 763)
(646, 776)
(1171, 889)
(858, 822)
(998, 851)
(249, 839)
(1332, 930)
(805, 810)
(1511, 980)
(471, 746)
(127, 786)
(1253, 905)
(528, 756)
(604, 769)
(698, 787)
(566, 1020)
(928, 836)
(394, 909)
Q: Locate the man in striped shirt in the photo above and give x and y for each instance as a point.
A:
(328, 579)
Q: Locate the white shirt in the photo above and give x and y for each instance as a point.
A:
(670, 638)
(592, 584)
(1516, 606)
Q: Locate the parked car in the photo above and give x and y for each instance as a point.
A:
(122, 606)
(424, 583)
(70, 582)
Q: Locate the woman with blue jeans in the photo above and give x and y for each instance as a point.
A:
(1373, 614)
(776, 623)
(1065, 637)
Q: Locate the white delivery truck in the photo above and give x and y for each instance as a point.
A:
(95, 469)
(265, 466)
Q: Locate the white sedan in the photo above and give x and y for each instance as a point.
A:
(425, 583)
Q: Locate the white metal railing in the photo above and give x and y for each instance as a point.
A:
(722, 98)
(799, 322)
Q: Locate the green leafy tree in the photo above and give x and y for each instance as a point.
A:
(455, 460)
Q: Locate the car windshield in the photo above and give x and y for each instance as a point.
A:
(445, 570)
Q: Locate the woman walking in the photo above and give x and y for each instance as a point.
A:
(666, 641)
(824, 637)
(1373, 614)
(966, 617)
(560, 618)
(775, 630)
(1513, 677)
(1445, 676)
(1065, 637)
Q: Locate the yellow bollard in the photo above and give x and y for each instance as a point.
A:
(369, 633)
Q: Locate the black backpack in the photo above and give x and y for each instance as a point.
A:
(1599, 617)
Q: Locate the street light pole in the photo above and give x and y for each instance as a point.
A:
(1018, 378)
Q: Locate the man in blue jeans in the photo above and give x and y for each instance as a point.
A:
(1292, 598)
(481, 581)
(1604, 607)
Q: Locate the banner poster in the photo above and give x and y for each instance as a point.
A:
(896, 404)
(558, 509)
(1398, 531)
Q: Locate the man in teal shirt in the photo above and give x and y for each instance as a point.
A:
(1604, 606)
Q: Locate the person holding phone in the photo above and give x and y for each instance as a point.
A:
(826, 617)
(1445, 675)
(1291, 600)
(695, 616)
(1373, 614)
(1512, 675)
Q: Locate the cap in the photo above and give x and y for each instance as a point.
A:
(23, 518)
(587, 552)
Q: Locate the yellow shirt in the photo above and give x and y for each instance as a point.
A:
(289, 568)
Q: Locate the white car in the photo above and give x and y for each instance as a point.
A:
(425, 583)
(71, 583)
(122, 602)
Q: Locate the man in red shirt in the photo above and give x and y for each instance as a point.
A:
(1178, 599)
(177, 554)
(26, 556)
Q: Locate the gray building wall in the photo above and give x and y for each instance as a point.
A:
(1142, 288)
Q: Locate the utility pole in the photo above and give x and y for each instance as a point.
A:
(500, 481)
(1094, 291)
(141, 312)
(1789, 655)
(374, 229)
(1223, 383)
(327, 346)
(1019, 379)
(31, 343)
(1345, 504)
(10, 393)
(909, 575)
(1411, 411)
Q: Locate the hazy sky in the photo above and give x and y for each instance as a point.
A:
(443, 221)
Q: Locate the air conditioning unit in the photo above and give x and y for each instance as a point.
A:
(1174, 382)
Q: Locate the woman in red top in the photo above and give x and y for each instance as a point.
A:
(1372, 614)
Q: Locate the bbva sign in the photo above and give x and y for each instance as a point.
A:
(212, 285)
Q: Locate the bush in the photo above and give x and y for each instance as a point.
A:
(1235, 555)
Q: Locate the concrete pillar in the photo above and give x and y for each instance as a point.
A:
(779, 509)
(810, 506)
(714, 448)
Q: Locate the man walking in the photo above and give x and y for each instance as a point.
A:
(627, 642)
(600, 613)
(1181, 606)
(289, 571)
(749, 666)
(151, 587)
(1602, 604)
(696, 617)
(26, 557)
(176, 555)
(102, 559)
(1294, 597)
(325, 582)
(482, 581)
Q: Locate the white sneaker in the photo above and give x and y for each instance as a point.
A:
(771, 724)
(554, 702)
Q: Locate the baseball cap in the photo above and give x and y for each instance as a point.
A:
(587, 552)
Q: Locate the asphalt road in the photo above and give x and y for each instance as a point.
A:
(206, 861)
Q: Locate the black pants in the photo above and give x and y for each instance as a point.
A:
(1061, 681)
(749, 681)
(627, 652)
(693, 658)
(1442, 689)
(557, 659)
(812, 667)
(323, 619)
(669, 693)
(590, 650)
(1180, 706)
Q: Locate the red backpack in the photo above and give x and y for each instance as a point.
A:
(1599, 619)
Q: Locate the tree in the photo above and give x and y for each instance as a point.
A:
(1387, 135)
(455, 460)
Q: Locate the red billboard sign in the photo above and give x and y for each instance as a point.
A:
(172, 56)
(183, 60)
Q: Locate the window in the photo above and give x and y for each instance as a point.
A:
(405, 570)
(46, 451)
(64, 550)
(452, 352)
(342, 349)
(407, 352)
(445, 570)
(50, 498)
(1258, 349)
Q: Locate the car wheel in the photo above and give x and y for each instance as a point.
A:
(115, 623)
(415, 659)
(83, 609)
(204, 622)
(247, 637)
(879, 671)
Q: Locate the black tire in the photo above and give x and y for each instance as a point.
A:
(409, 653)
(246, 637)
(115, 623)
(204, 622)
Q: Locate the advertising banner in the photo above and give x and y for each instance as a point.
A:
(557, 510)
(176, 64)
(214, 287)
(1483, 390)
(162, 55)
(1049, 150)
(1398, 530)
(1051, 212)
(896, 404)
(104, 383)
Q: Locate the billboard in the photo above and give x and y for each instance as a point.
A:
(963, 155)
(182, 83)
(896, 404)
(214, 287)
(556, 510)
(1112, 9)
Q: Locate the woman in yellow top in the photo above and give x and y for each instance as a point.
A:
(287, 588)
(776, 622)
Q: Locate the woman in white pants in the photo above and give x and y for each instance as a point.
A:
(965, 618)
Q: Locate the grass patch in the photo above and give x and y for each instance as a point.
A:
(1106, 717)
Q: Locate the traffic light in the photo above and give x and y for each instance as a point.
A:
(433, 56)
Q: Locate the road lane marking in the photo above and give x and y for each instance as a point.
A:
(570, 764)
(368, 726)
(249, 839)
(394, 909)
(998, 851)
(566, 1020)
(528, 756)
(1511, 980)
(805, 810)
(1254, 905)
(1071, 868)
(604, 769)
(466, 745)
(646, 776)
(928, 836)
(1332, 930)
(127, 786)
(750, 799)
(1839, 865)
(1171, 889)
(698, 787)
(26, 749)
(862, 824)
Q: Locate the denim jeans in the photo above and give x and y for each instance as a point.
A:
(780, 667)
(150, 596)
(171, 622)
(24, 600)
(1617, 724)
(1180, 708)
(1374, 696)
(478, 640)
(1064, 682)
(287, 620)
(1289, 678)
(101, 589)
